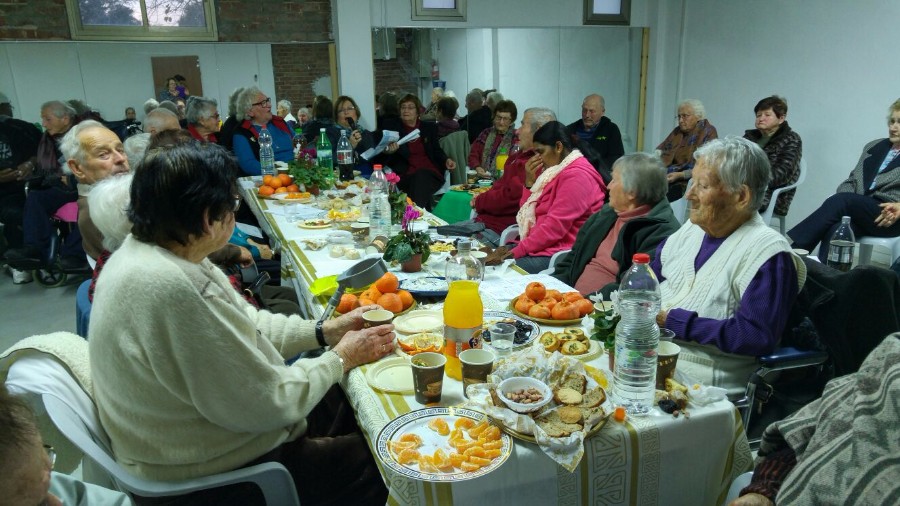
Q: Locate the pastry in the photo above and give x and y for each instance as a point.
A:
(567, 396)
(549, 342)
(570, 414)
(593, 398)
(576, 332)
(573, 347)
(577, 382)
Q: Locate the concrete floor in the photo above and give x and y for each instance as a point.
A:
(30, 309)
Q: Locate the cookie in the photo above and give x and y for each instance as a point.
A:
(567, 396)
(570, 414)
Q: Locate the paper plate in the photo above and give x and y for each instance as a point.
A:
(595, 350)
(545, 321)
(391, 375)
(419, 321)
(314, 224)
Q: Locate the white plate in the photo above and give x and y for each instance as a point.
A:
(417, 422)
(391, 375)
(419, 321)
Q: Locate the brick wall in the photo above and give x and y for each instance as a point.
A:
(397, 74)
(297, 67)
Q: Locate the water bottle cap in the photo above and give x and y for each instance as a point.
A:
(376, 167)
(640, 258)
(321, 130)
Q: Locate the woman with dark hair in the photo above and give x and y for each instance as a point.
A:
(502, 135)
(388, 112)
(421, 163)
(783, 147)
(445, 115)
(347, 114)
(207, 368)
(562, 190)
(323, 117)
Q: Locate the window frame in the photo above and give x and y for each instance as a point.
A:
(592, 18)
(144, 32)
(422, 13)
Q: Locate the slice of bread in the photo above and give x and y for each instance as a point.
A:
(567, 396)
(593, 398)
(577, 382)
(570, 414)
(553, 425)
(573, 347)
(590, 416)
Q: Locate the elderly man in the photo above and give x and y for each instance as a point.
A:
(727, 280)
(283, 109)
(256, 110)
(498, 206)
(677, 149)
(479, 116)
(636, 219)
(49, 190)
(597, 130)
(160, 119)
(18, 149)
(93, 153)
(26, 465)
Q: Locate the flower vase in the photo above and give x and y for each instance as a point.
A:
(414, 264)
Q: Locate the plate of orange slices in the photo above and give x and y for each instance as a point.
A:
(408, 346)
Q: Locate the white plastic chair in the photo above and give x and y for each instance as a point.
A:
(867, 244)
(737, 485)
(553, 259)
(509, 234)
(680, 206)
(770, 210)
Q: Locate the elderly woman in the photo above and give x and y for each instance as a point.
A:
(677, 149)
(347, 114)
(502, 136)
(437, 93)
(421, 164)
(170, 91)
(303, 115)
(446, 116)
(636, 219)
(727, 280)
(873, 182)
(203, 119)
(189, 338)
(549, 217)
(783, 147)
(226, 132)
(283, 109)
(256, 110)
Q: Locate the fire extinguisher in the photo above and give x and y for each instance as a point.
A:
(435, 72)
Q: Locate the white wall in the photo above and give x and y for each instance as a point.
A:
(833, 61)
(113, 76)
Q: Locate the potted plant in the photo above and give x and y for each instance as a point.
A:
(606, 318)
(307, 173)
(408, 248)
(397, 199)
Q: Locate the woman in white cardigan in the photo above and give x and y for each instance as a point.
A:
(727, 280)
(190, 380)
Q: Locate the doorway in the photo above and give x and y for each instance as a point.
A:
(165, 67)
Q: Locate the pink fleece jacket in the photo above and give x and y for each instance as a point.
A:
(563, 207)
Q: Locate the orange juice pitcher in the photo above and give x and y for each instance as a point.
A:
(463, 317)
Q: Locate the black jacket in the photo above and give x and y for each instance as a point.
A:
(607, 140)
(476, 122)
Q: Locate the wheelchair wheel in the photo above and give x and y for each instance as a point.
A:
(50, 277)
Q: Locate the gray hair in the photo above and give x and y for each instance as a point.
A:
(475, 96)
(303, 110)
(135, 147)
(598, 97)
(493, 98)
(59, 109)
(245, 102)
(108, 201)
(695, 105)
(200, 108)
(284, 103)
(643, 175)
(539, 116)
(738, 162)
(168, 105)
(71, 147)
(158, 118)
(233, 100)
(149, 105)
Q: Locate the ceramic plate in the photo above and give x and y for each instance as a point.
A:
(420, 321)
(427, 287)
(492, 317)
(416, 422)
(595, 350)
(545, 321)
(314, 224)
(391, 375)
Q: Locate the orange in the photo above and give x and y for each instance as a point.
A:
(539, 311)
(426, 464)
(492, 433)
(285, 179)
(265, 191)
(365, 302)
(479, 461)
(469, 467)
(391, 302)
(523, 305)
(408, 456)
(584, 306)
(293, 188)
(556, 294)
(478, 429)
(492, 454)
(349, 302)
(281, 190)
(476, 451)
(548, 302)
(415, 438)
(535, 290)
(275, 183)
(439, 425)
(407, 299)
(442, 460)
(564, 311)
(492, 445)
(457, 459)
(267, 180)
(370, 293)
(464, 423)
(572, 296)
(387, 283)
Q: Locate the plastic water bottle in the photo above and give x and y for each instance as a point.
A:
(463, 266)
(841, 246)
(637, 336)
(379, 205)
(323, 157)
(266, 154)
(345, 157)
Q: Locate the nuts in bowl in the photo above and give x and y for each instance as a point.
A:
(523, 394)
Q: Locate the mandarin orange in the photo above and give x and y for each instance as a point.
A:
(572, 296)
(584, 306)
(281, 190)
(556, 294)
(406, 298)
(391, 302)
(293, 188)
(564, 311)
(535, 290)
(387, 283)
(285, 179)
(267, 179)
(275, 183)
(265, 191)
(523, 304)
(349, 302)
(539, 311)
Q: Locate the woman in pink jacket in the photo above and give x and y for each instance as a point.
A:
(562, 189)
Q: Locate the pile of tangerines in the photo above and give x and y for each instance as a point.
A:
(281, 183)
(385, 292)
(538, 302)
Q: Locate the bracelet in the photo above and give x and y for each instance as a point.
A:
(320, 335)
(343, 368)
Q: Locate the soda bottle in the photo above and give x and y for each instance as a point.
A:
(500, 161)
(323, 157)
(637, 337)
(463, 309)
(266, 154)
(841, 246)
(345, 157)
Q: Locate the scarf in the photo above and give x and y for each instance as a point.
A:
(526, 215)
(488, 155)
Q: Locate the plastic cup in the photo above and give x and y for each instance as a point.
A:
(666, 358)
(476, 365)
(376, 317)
(666, 335)
(479, 255)
(292, 213)
(502, 337)
(428, 377)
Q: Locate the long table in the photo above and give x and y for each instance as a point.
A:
(656, 459)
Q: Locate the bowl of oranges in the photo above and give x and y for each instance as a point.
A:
(276, 185)
(385, 292)
(551, 307)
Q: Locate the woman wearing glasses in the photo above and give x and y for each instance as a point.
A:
(202, 117)
(346, 112)
(677, 149)
(501, 136)
(256, 110)
(194, 382)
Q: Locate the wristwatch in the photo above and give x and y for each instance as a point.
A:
(320, 334)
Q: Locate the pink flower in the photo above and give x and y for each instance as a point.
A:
(409, 216)
(392, 178)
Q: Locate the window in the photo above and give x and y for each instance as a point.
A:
(439, 10)
(607, 12)
(187, 20)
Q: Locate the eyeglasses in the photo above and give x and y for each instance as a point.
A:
(267, 102)
(51, 453)
(347, 109)
(683, 116)
(503, 118)
(237, 203)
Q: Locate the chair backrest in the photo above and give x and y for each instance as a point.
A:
(770, 209)
(680, 206)
(82, 309)
(456, 145)
(510, 234)
(68, 212)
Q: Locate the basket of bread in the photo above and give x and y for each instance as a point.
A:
(544, 398)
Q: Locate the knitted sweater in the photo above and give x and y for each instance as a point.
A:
(189, 379)
(784, 150)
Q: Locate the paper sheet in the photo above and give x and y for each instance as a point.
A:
(388, 137)
(505, 289)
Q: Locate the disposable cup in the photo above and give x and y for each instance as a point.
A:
(376, 317)
(476, 365)
(666, 335)
(502, 337)
(666, 358)
(428, 377)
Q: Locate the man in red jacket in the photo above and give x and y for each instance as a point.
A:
(498, 206)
